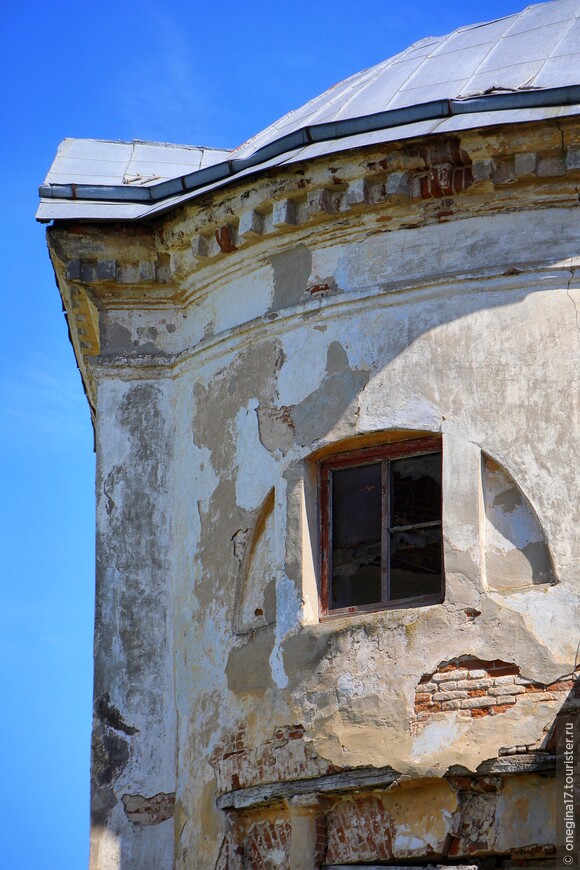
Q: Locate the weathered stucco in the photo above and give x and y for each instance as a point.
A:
(382, 307)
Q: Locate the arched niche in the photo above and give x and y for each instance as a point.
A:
(255, 598)
(516, 553)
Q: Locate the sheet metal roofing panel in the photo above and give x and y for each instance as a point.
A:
(55, 209)
(95, 161)
(427, 128)
(524, 54)
(82, 209)
(506, 54)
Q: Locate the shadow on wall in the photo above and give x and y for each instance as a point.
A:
(556, 732)
(516, 553)
(438, 353)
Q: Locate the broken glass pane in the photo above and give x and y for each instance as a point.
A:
(416, 490)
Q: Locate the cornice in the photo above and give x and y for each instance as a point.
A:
(318, 309)
(175, 260)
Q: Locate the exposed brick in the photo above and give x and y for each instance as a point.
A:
(467, 684)
(506, 690)
(561, 686)
(449, 696)
(444, 151)
(267, 845)
(358, 830)
(425, 186)
(477, 702)
(285, 756)
(463, 179)
(429, 687)
(451, 705)
(506, 699)
(149, 810)
(296, 734)
(484, 683)
(500, 669)
(321, 841)
(543, 696)
(446, 676)
(225, 236)
(507, 679)
(479, 713)
(501, 708)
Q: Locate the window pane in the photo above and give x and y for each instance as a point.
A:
(415, 563)
(356, 536)
(416, 490)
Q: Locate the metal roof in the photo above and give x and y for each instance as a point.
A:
(95, 161)
(519, 68)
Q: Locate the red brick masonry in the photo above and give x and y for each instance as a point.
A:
(479, 688)
(284, 756)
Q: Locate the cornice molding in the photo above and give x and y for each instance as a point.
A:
(180, 257)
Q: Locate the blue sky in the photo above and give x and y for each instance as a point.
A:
(211, 74)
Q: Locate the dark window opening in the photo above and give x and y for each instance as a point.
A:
(381, 527)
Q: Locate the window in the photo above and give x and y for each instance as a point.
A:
(380, 515)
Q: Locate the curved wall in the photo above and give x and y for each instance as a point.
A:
(244, 726)
(486, 361)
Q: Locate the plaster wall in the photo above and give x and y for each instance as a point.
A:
(214, 406)
(489, 362)
(134, 728)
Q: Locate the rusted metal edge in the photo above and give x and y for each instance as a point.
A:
(373, 777)
(325, 132)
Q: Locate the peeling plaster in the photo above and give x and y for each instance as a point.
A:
(257, 469)
(330, 411)
(291, 276)
(436, 736)
(219, 396)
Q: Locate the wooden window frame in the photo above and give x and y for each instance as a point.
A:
(365, 456)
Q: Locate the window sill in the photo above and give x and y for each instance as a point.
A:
(400, 604)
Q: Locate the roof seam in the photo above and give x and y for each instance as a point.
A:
(553, 52)
(492, 47)
(317, 133)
